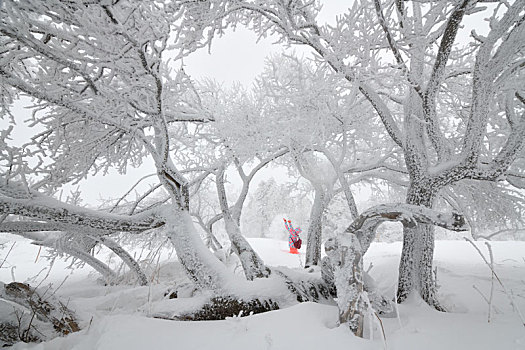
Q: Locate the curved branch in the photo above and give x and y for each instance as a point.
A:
(365, 225)
(126, 258)
(109, 275)
(54, 211)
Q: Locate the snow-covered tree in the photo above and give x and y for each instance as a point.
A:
(455, 111)
(104, 97)
(318, 117)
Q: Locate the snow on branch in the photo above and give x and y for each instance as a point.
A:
(54, 211)
(365, 225)
(438, 74)
(408, 214)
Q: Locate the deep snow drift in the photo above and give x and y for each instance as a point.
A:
(117, 317)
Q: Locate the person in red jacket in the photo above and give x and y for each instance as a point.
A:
(293, 237)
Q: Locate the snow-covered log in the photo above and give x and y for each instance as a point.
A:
(28, 315)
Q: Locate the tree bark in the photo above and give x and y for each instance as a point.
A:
(415, 267)
(346, 252)
(313, 248)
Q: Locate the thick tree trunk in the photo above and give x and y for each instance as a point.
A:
(252, 264)
(345, 253)
(415, 268)
(201, 266)
(313, 248)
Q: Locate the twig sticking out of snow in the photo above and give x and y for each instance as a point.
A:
(7, 255)
(491, 278)
(495, 275)
(382, 330)
(496, 310)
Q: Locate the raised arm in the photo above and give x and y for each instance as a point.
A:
(288, 225)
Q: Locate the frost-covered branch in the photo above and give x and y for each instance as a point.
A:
(32, 226)
(246, 180)
(438, 73)
(344, 184)
(392, 43)
(509, 29)
(52, 210)
(126, 258)
(129, 191)
(366, 224)
(109, 275)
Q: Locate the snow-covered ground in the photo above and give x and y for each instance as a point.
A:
(117, 317)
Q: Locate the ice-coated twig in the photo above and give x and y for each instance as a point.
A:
(491, 278)
(497, 310)
(382, 330)
(12, 246)
(495, 275)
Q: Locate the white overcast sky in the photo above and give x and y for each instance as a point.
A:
(238, 57)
